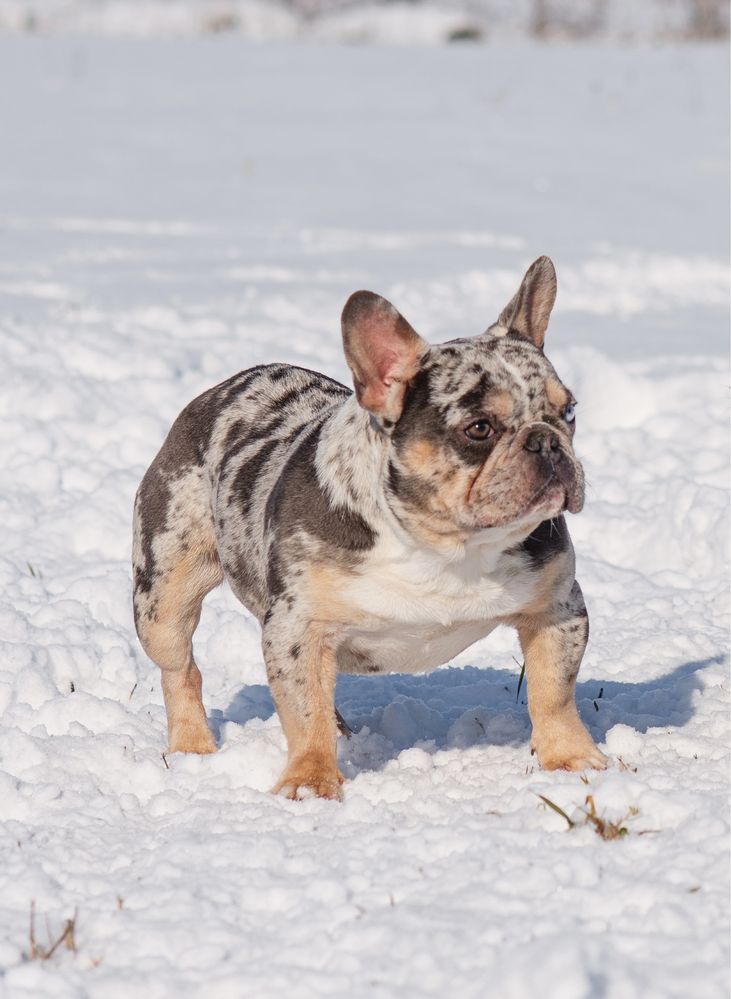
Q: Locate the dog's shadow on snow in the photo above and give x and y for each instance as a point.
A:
(467, 706)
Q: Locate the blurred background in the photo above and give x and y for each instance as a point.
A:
(397, 21)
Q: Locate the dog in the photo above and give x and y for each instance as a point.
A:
(384, 530)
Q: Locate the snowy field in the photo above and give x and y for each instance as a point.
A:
(413, 22)
(172, 213)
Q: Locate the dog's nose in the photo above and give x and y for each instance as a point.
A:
(542, 441)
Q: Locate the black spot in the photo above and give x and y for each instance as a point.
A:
(473, 399)
(292, 395)
(410, 489)
(547, 541)
(420, 418)
(298, 501)
(244, 481)
(275, 575)
(199, 417)
(295, 651)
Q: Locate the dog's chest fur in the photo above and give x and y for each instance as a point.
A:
(417, 608)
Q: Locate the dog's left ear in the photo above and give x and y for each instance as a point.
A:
(382, 351)
(529, 310)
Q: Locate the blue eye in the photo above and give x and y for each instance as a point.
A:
(569, 413)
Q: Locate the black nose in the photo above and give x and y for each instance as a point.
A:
(542, 441)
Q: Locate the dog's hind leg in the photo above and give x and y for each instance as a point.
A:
(175, 565)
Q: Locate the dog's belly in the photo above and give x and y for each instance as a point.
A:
(406, 649)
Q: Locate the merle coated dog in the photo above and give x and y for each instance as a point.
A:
(376, 531)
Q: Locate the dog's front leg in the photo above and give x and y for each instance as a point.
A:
(553, 644)
(301, 668)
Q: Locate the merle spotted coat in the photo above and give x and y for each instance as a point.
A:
(375, 531)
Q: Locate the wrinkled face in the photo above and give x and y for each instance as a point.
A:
(484, 440)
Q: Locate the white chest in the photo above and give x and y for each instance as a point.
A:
(419, 609)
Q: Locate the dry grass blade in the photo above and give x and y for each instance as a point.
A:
(557, 808)
(520, 678)
(67, 938)
(603, 827)
(34, 952)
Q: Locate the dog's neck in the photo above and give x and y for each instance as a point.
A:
(351, 461)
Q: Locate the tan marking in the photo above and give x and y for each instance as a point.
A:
(556, 393)
(559, 737)
(188, 730)
(177, 596)
(313, 771)
(167, 639)
(422, 457)
(502, 405)
(312, 732)
(439, 540)
(322, 588)
(434, 525)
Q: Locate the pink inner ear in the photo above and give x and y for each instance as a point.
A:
(385, 353)
(386, 360)
(381, 349)
(380, 363)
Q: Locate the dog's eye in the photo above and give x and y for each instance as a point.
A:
(480, 430)
(569, 413)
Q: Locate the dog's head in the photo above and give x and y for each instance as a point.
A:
(480, 430)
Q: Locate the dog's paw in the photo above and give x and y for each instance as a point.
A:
(310, 776)
(569, 748)
(192, 739)
(586, 759)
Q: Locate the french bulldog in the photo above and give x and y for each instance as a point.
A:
(381, 530)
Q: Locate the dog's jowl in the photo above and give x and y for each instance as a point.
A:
(376, 531)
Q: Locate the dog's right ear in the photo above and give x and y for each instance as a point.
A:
(382, 351)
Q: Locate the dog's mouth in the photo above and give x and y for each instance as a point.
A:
(552, 495)
(549, 500)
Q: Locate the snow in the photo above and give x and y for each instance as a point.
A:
(170, 214)
(411, 22)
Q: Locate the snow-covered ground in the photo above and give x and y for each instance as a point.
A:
(412, 22)
(170, 214)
